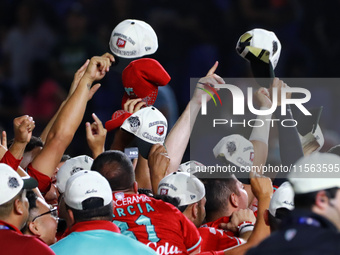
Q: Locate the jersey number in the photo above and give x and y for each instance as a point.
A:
(142, 220)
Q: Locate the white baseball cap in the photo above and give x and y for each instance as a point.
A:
(11, 183)
(87, 184)
(317, 171)
(188, 188)
(235, 149)
(149, 126)
(283, 197)
(260, 46)
(313, 136)
(309, 129)
(190, 167)
(70, 167)
(238, 151)
(133, 38)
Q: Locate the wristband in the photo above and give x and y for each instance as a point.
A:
(245, 226)
(261, 133)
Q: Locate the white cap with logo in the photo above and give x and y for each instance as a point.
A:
(190, 167)
(133, 38)
(262, 44)
(70, 167)
(150, 127)
(188, 188)
(283, 197)
(235, 149)
(11, 183)
(315, 172)
(84, 185)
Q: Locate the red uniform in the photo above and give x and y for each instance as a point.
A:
(216, 239)
(13, 242)
(44, 181)
(155, 223)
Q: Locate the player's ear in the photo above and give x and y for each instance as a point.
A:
(70, 215)
(135, 187)
(194, 210)
(233, 199)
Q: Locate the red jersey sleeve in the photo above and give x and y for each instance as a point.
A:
(212, 253)
(192, 238)
(44, 181)
(216, 239)
(10, 160)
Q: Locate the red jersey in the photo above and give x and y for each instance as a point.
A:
(13, 242)
(44, 181)
(10, 160)
(159, 225)
(217, 239)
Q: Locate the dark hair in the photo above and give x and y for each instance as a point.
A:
(117, 168)
(280, 214)
(335, 150)
(33, 143)
(32, 201)
(147, 192)
(218, 191)
(65, 157)
(171, 200)
(307, 200)
(94, 212)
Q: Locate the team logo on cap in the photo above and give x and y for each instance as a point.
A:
(160, 130)
(231, 147)
(192, 197)
(251, 156)
(120, 43)
(134, 123)
(13, 182)
(164, 192)
(75, 170)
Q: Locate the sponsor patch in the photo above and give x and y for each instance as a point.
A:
(164, 192)
(160, 130)
(120, 43)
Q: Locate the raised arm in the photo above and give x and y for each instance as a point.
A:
(70, 116)
(181, 131)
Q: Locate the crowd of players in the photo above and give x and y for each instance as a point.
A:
(109, 204)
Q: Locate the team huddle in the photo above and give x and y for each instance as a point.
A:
(151, 202)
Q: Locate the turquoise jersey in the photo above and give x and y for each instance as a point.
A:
(100, 242)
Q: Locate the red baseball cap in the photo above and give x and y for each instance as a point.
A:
(141, 79)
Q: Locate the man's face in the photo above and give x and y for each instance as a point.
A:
(45, 223)
(243, 197)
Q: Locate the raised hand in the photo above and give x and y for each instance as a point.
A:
(210, 79)
(95, 136)
(98, 67)
(279, 85)
(4, 139)
(23, 127)
(262, 98)
(133, 105)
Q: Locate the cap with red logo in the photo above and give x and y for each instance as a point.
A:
(133, 39)
(149, 126)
